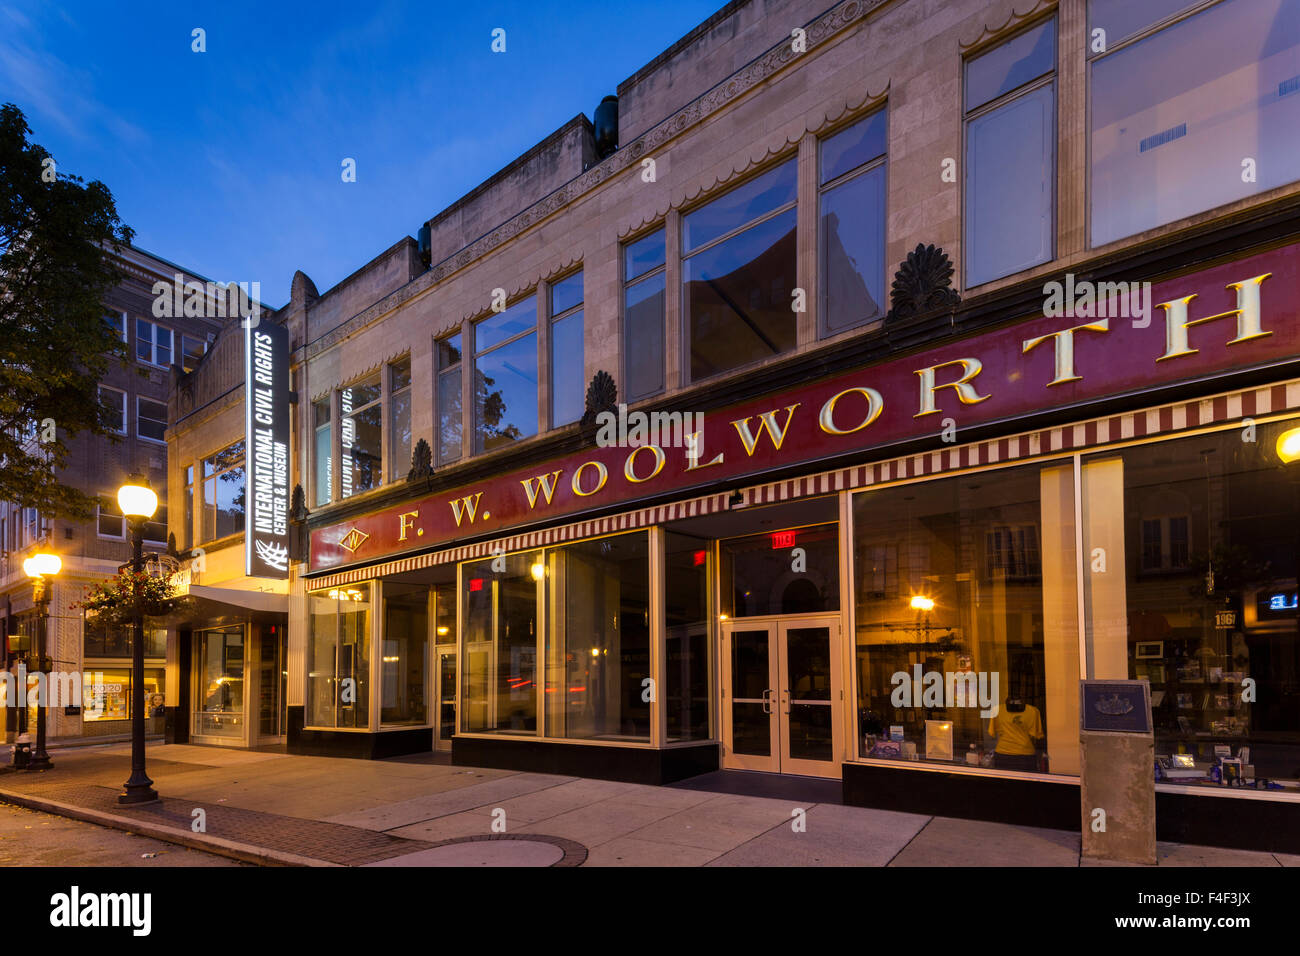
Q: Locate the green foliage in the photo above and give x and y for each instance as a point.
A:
(54, 343)
(113, 601)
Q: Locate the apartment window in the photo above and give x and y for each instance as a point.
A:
(852, 225)
(117, 321)
(739, 274)
(153, 343)
(361, 430)
(109, 520)
(449, 410)
(32, 525)
(1165, 545)
(150, 419)
(1192, 113)
(192, 352)
(114, 402)
(505, 377)
(324, 460)
(399, 418)
(223, 493)
(156, 528)
(568, 388)
(187, 535)
(1011, 155)
(643, 316)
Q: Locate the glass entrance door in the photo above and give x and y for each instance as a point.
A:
(444, 722)
(779, 696)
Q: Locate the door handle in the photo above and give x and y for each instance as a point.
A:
(786, 699)
(767, 702)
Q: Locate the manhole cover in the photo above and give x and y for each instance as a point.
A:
(495, 850)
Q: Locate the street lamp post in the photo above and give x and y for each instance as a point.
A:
(138, 503)
(41, 567)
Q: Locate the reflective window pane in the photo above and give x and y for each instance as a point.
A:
(761, 195)
(497, 328)
(643, 337)
(1175, 115)
(221, 682)
(449, 415)
(738, 296)
(851, 147)
(405, 655)
(566, 293)
(499, 656)
(643, 255)
(568, 388)
(448, 351)
(759, 576)
(1024, 57)
(686, 652)
(853, 251)
(1123, 18)
(505, 394)
(1009, 197)
(361, 433)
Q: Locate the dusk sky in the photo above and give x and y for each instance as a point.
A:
(228, 162)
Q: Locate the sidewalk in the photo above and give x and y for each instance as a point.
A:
(278, 809)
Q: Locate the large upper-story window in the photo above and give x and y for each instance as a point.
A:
(1189, 111)
(324, 452)
(643, 316)
(399, 417)
(223, 493)
(153, 343)
(450, 423)
(192, 352)
(114, 400)
(1010, 110)
(568, 388)
(150, 419)
(361, 430)
(738, 268)
(852, 226)
(505, 376)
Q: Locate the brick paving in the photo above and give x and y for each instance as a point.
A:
(329, 842)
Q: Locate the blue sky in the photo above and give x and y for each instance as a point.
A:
(228, 161)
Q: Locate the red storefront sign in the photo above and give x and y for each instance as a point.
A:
(1241, 315)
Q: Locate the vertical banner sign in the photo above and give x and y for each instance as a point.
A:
(266, 443)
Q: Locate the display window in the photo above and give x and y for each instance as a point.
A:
(1192, 588)
(106, 694)
(966, 646)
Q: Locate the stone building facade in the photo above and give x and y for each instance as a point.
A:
(911, 477)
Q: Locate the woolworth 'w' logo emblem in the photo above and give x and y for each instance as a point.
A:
(353, 540)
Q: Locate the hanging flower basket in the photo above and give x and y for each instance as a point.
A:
(113, 602)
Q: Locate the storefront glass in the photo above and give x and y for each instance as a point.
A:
(1191, 586)
(499, 662)
(795, 571)
(220, 657)
(444, 613)
(598, 639)
(338, 657)
(405, 655)
(967, 645)
(106, 694)
(686, 652)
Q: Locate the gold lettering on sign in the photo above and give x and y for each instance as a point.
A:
(693, 448)
(875, 405)
(629, 466)
(546, 484)
(1064, 348)
(467, 505)
(1249, 323)
(767, 422)
(405, 525)
(577, 478)
(966, 392)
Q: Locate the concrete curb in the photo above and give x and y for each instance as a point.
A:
(244, 852)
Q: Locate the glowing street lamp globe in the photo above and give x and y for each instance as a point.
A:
(42, 565)
(922, 603)
(1288, 445)
(137, 499)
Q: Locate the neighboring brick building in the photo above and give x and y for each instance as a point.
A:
(92, 551)
(968, 473)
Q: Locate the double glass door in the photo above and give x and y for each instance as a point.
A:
(445, 716)
(780, 690)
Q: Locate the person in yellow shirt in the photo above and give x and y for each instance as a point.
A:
(1018, 727)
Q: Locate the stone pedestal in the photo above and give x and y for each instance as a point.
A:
(1117, 776)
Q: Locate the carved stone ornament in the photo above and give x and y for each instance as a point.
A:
(298, 504)
(421, 462)
(602, 396)
(922, 284)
